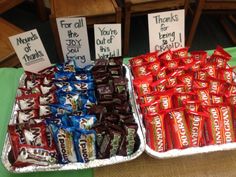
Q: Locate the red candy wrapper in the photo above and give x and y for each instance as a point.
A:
(150, 109)
(161, 74)
(172, 64)
(166, 55)
(211, 69)
(165, 99)
(180, 98)
(181, 53)
(213, 131)
(47, 99)
(172, 80)
(142, 86)
(180, 88)
(137, 61)
(154, 67)
(199, 55)
(232, 100)
(139, 71)
(200, 84)
(231, 89)
(35, 135)
(156, 138)
(147, 99)
(201, 74)
(159, 85)
(226, 75)
(17, 137)
(204, 96)
(187, 79)
(25, 116)
(192, 105)
(179, 129)
(196, 122)
(216, 86)
(227, 124)
(35, 155)
(151, 57)
(27, 102)
(217, 98)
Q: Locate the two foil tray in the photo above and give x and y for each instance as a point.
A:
(116, 159)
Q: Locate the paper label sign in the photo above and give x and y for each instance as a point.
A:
(166, 30)
(107, 40)
(74, 40)
(30, 51)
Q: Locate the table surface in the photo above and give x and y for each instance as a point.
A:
(202, 165)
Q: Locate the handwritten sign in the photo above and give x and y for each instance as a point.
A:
(30, 51)
(107, 40)
(74, 40)
(166, 30)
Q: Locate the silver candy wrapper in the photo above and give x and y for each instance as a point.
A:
(178, 152)
(6, 152)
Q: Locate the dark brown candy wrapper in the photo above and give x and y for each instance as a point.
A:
(120, 98)
(105, 92)
(108, 104)
(115, 61)
(116, 71)
(128, 142)
(98, 111)
(122, 108)
(111, 117)
(126, 118)
(101, 131)
(100, 66)
(101, 78)
(111, 142)
(120, 84)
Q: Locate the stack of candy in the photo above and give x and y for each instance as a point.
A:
(186, 99)
(116, 128)
(58, 119)
(52, 124)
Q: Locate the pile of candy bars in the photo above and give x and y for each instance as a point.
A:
(58, 119)
(186, 99)
(117, 129)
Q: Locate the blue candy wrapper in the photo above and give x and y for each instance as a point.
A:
(63, 138)
(82, 86)
(83, 122)
(84, 141)
(87, 77)
(64, 76)
(87, 100)
(59, 109)
(86, 69)
(62, 120)
(68, 66)
(69, 99)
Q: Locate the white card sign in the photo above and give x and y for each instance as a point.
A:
(74, 40)
(30, 51)
(166, 30)
(107, 40)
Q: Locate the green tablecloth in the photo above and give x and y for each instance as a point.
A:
(9, 78)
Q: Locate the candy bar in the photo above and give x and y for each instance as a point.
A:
(85, 145)
(128, 144)
(180, 132)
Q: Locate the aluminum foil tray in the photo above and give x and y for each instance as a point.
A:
(178, 152)
(7, 154)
